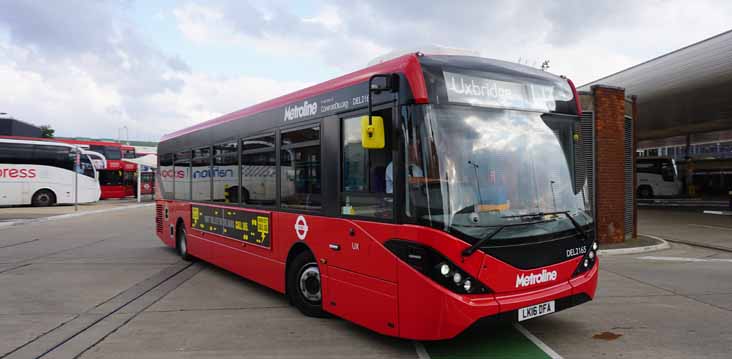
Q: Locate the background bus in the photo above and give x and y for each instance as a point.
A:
(41, 173)
(657, 177)
(129, 171)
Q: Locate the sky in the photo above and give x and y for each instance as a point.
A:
(91, 68)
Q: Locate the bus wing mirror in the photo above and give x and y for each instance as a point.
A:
(372, 132)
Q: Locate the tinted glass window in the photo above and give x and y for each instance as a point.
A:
(201, 170)
(112, 153)
(166, 174)
(226, 174)
(130, 153)
(258, 171)
(110, 178)
(182, 179)
(16, 153)
(300, 166)
(54, 156)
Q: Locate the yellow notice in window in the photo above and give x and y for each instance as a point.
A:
(262, 224)
(195, 214)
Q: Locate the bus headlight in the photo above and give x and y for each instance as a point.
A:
(436, 267)
(444, 269)
(457, 277)
(467, 285)
(588, 260)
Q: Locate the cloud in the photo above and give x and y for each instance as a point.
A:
(87, 71)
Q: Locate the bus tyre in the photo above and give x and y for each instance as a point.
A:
(181, 243)
(43, 198)
(304, 287)
(645, 192)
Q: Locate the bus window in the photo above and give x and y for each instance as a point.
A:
(110, 178)
(300, 166)
(258, 174)
(87, 168)
(367, 175)
(201, 174)
(166, 175)
(182, 180)
(226, 177)
(55, 156)
(16, 153)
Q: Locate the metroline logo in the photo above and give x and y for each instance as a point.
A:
(17, 173)
(306, 109)
(525, 280)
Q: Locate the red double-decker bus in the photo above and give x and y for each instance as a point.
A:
(415, 197)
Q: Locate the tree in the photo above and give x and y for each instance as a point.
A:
(47, 131)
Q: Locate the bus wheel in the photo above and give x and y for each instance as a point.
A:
(304, 287)
(181, 243)
(43, 198)
(645, 192)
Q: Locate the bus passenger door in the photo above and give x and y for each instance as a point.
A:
(361, 284)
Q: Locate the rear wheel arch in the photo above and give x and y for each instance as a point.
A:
(53, 197)
(295, 250)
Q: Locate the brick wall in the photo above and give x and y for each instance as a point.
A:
(609, 107)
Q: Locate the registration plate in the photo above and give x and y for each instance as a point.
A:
(534, 311)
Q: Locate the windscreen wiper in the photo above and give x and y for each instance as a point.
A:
(470, 250)
(576, 225)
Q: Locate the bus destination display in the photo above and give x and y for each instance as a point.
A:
(249, 227)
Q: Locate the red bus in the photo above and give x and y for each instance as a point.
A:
(415, 197)
(129, 171)
(112, 178)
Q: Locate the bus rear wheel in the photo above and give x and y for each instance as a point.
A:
(181, 243)
(43, 198)
(304, 285)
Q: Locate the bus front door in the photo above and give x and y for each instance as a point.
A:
(361, 279)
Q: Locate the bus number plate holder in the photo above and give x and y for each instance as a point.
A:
(536, 310)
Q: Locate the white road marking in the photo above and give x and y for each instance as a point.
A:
(549, 351)
(712, 227)
(685, 259)
(421, 351)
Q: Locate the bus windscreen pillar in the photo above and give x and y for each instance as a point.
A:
(614, 166)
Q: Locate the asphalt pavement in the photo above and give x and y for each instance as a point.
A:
(103, 286)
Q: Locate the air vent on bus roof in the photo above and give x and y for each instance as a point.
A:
(426, 49)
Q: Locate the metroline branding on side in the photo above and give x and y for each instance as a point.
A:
(525, 280)
(17, 172)
(295, 112)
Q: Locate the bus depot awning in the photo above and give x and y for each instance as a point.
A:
(150, 161)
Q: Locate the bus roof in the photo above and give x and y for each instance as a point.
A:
(408, 64)
(64, 140)
(35, 142)
(412, 65)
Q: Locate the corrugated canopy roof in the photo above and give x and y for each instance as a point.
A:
(685, 91)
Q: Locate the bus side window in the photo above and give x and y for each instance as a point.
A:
(366, 175)
(182, 175)
(300, 169)
(201, 174)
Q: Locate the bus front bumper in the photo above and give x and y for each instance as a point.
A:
(437, 314)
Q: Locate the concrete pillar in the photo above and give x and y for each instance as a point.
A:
(609, 106)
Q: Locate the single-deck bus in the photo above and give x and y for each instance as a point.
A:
(41, 173)
(414, 197)
(657, 176)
